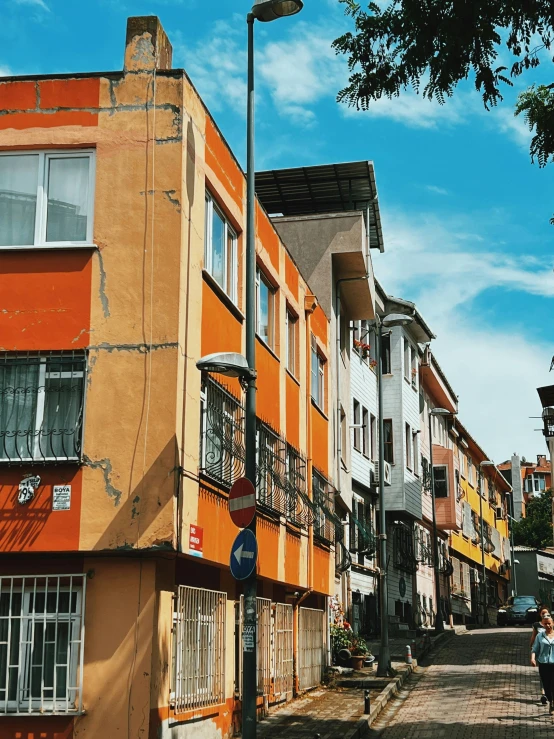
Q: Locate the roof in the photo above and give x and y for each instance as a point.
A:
(546, 394)
(325, 188)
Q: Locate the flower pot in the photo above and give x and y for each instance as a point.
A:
(357, 661)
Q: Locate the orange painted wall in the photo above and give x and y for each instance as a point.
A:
(220, 160)
(37, 727)
(268, 236)
(292, 560)
(45, 299)
(268, 402)
(320, 440)
(221, 331)
(320, 325)
(293, 412)
(36, 527)
(267, 533)
(219, 530)
(291, 276)
(322, 563)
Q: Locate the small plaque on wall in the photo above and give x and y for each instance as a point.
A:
(61, 499)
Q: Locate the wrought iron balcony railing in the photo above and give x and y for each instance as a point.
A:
(41, 407)
(403, 549)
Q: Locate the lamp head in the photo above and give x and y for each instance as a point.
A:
(228, 364)
(440, 412)
(271, 10)
(396, 319)
(487, 463)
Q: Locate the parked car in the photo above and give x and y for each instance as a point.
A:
(519, 609)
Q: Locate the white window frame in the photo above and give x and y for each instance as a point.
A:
(41, 213)
(407, 364)
(261, 277)
(230, 290)
(318, 382)
(373, 437)
(291, 324)
(408, 437)
(30, 585)
(356, 419)
(415, 447)
(366, 432)
(446, 479)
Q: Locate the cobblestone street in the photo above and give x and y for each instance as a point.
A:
(480, 685)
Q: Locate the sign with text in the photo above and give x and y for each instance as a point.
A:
(196, 541)
(61, 498)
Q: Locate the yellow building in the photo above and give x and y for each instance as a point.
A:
(482, 494)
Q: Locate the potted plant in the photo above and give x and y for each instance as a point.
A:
(359, 652)
(341, 638)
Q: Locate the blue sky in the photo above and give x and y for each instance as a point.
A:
(465, 212)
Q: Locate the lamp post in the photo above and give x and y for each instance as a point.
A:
(384, 660)
(511, 519)
(484, 463)
(439, 621)
(265, 11)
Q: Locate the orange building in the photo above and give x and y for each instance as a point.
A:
(122, 215)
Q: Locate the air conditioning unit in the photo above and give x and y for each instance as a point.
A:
(387, 476)
(499, 513)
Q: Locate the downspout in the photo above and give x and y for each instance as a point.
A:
(310, 304)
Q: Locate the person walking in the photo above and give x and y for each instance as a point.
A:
(543, 654)
(544, 612)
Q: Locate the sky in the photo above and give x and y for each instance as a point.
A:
(465, 212)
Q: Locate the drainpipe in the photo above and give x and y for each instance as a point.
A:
(310, 304)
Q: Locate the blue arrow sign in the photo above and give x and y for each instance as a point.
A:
(244, 555)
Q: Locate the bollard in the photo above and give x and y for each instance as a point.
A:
(408, 654)
(367, 707)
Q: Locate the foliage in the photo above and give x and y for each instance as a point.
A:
(344, 638)
(535, 530)
(432, 45)
(358, 647)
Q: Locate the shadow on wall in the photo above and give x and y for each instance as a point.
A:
(137, 513)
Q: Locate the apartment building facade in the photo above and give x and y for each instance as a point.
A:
(121, 242)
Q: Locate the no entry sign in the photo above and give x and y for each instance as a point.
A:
(242, 503)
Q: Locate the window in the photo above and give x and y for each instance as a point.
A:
(406, 360)
(373, 437)
(385, 355)
(344, 435)
(318, 376)
(440, 473)
(222, 434)
(291, 322)
(388, 440)
(199, 649)
(471, 472)
(322, 498)
(265, 309)
(41, 406)
(408, 447)
(41, 644)
(46, 198)
(413, 367)
(366, 432)
(220, 249)
(357, 429)
(271, 464)
(343, 335)
(415, 447)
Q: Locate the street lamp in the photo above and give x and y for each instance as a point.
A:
(439, 621)
(384, 660)
(484, 463)
(514, 561)
(265, 11)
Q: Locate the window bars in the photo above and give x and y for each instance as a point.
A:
(362, 535)
(403, 549)
(284, 654)
(327, 524)
(272, 470)
(199, 648)
(41, 406)
(42, 633)
(222, 451)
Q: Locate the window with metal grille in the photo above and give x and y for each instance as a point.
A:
(272, 470)
(298, 509)
(41, 406)
(403, 548)
(222, 452)
(323, 526)
(199, 648)
(41, 644)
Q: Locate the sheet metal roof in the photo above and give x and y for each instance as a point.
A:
(326, 188)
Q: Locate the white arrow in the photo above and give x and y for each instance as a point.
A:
(239, 554)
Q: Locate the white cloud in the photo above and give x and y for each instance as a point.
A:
(437, 190)
(414, 110)
(513, 126)
(36, 3)
(5, 72)
(443, 267)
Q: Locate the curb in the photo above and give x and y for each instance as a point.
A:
(362, 727)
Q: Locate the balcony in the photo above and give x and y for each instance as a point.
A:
(446, 488)
(546, 394)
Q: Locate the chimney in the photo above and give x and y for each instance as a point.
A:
(147, 46)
